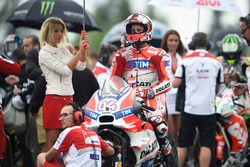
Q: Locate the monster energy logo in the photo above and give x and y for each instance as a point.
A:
(47, 7)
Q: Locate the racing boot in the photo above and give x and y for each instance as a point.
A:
(161, 131)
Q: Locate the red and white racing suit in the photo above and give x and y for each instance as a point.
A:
(147, 68)
(6, 67)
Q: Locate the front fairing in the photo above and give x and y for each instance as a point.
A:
(230, 104)
(112, 105)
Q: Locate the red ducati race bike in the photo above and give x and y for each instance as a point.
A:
(115, 114)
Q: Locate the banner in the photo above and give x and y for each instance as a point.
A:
(219, 5)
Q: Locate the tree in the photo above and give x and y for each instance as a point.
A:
(6, 7)
(106, 16)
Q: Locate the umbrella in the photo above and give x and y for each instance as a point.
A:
(219, 5)
(113, 36)
(33, 13)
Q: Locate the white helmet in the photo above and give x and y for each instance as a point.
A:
(143, 20)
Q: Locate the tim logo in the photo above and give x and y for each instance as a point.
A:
(141, 64)
(167, 63)
(212, 3)
(47, 7)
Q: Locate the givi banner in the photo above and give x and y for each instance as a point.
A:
(220, 5)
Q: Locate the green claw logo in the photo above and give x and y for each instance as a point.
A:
(47, 7)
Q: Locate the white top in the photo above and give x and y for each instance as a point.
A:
(77, 148)
(53, 62)
(171, 73)
(202, 71)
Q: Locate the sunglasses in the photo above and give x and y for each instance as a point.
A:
(243, 31)
(64, 115)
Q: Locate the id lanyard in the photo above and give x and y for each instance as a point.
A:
(93, 144)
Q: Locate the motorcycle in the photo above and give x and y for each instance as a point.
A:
(118, 118)
(231, 134)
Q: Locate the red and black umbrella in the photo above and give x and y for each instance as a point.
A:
(32, 14)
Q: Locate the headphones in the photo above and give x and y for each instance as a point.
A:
(199, 39)
(246, 19)
(105, 52)
(77, 113)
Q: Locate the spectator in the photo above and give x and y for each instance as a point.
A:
(29, 43)
(245, 28)
(102, 69)
(34, 141)
(245, 33)
(79, 146)
(21, 58)
(57, 64)
(202, 72)
(172, 44)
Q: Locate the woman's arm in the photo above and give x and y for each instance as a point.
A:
(81, 54)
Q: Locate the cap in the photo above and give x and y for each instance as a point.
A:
(246, 19)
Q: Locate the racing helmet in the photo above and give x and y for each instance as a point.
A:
(143, 20)
(231, 43)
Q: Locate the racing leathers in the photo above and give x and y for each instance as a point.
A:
(6, 67)
(233, 71)
(147, 69)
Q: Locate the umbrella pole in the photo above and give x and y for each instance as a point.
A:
(83, 20)
(198, 21)
(83, 32)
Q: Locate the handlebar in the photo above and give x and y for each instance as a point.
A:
(142, 105)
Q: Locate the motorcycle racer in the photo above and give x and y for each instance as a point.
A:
(230, 55)
(7, 66)
(146, 68)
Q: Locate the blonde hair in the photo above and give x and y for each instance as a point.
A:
(47, 30)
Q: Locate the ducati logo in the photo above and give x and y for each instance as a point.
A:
(47, 7)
